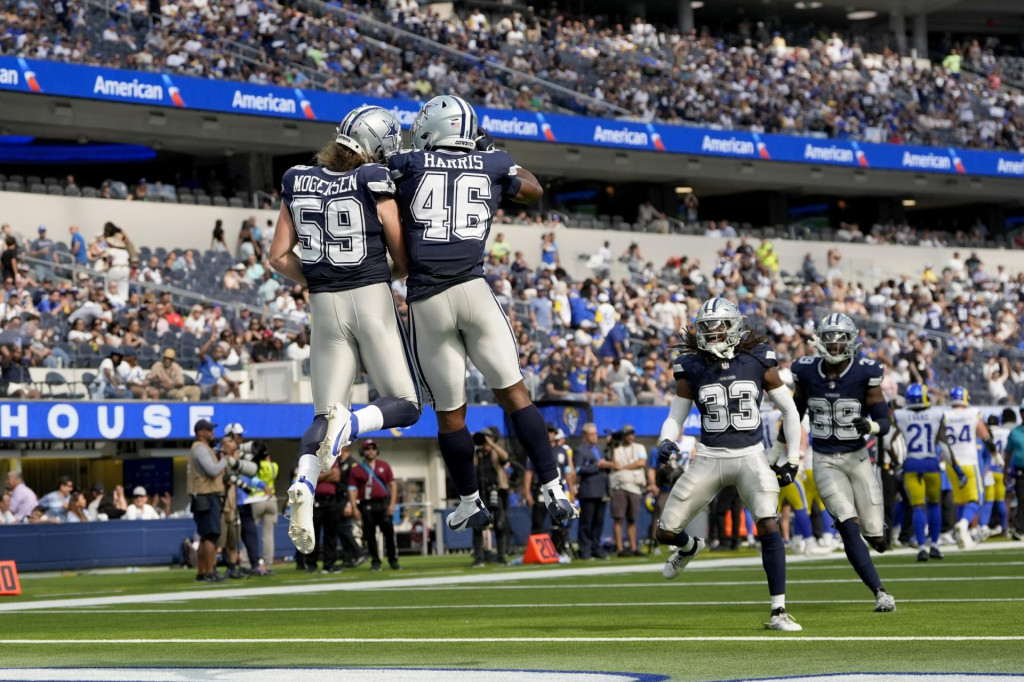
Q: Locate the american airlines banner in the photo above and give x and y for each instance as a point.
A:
(174, 91)
(135, 420)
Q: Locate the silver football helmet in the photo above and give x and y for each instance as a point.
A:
(445, 121)
(836, 338)
(719, 327)
(370, 130)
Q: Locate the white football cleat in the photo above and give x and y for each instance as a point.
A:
(678, 560)
(884, 602)
(559, 506)
(470, 515)
(339, 430)
(963, 535)
(781, 620)
(300, 518)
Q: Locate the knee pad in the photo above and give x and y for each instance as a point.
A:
(314, 435)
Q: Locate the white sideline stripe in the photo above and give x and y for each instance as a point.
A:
(433, 607)
(444, 582)
(539, 640)
(320, 674)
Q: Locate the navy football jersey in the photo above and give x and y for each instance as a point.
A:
(341, 239)
(833, 404)
(728, 395)
(448, 200)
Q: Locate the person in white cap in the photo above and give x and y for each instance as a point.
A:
(140, 509)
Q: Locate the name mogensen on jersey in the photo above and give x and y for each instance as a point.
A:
(310, 184)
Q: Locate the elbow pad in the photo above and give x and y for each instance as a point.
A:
(672, 428)
(879, 413)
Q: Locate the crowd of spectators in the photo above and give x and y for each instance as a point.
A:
(607, 339)
(19, 503)
(127, 313)
(754, 79)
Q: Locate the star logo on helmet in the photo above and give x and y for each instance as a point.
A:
(392, 129)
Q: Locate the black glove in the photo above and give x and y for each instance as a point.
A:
(786, 473)
(666, 449)
(865, 426)
(484, 142)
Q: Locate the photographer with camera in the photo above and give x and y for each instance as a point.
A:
(231, 522)
(566, 478)
(249, 491)
(491, 460)
(205, 474)
(627, 482)
(592, 474)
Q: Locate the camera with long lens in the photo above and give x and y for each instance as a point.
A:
(252, 450)
(615, 438)
(238, 469)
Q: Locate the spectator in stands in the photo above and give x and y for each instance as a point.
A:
(134, 378)
(997, 371)
(109, 381)
(268, 287)
(78, 511)
(79, 251)
(55, 503)
(218, 242)
(14, 374)
(43, 249)
(140, 509)
(23, 499)
(213, 375)
(168, 378)
(268, 349)
(9, 261)
(6, 517)
(298, 350)
(38, 515)
(248, 245)
(119, 253)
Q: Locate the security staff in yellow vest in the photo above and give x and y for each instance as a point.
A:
(266, 510)
(206, 487)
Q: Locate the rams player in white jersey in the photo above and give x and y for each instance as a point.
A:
(964, 427)
(924, 429)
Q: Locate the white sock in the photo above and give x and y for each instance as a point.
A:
(688, 547)
(469, 499)
(309, 468)
(778, 601)
(368, 419)
(552, 486)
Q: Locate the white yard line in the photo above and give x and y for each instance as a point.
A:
(492, 579)
(538, 640)
(527, 605)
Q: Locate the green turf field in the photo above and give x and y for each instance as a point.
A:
(618, 615)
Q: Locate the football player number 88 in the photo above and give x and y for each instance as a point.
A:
(830, 420)
(715, 398)
(336, 232)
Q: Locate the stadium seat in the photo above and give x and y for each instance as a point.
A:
(15, 177)
(236, 202)
(186, 199)
(56, 380)
(13, 186)
(204, 200)
(50, 180)
(72, 192)
(33, 180)
(37, 188)
(90, 192)
(219, 201)
(54, 189)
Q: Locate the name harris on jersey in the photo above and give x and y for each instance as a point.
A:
(460, 162)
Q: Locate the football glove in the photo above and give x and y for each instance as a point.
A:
(786, 473)
(865, 426)
(666, 449)
(484, 142)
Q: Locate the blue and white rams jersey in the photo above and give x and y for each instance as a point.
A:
(962, 434)
(341, 239)
(728, 395)
(834, 403)
(920, 428)
(448, 200)
(999, 436)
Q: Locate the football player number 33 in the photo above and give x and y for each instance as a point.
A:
(335, 231)
(716, 398)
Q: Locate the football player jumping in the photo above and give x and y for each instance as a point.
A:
(449, 188)
(342, 214)
(837, 389)
(725, 369)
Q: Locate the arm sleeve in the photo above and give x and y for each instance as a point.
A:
(672, 428)
(790, 422)
(206, 464)
(879, 413)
